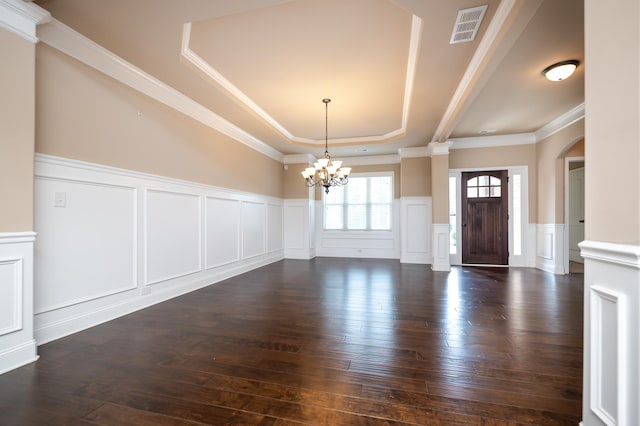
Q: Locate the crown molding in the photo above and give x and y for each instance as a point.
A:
(438, 148)
(74, 44)
(562, 122)
(298, 159)
(493, 141)
(210, 72)
(22, 18)
(371, 160)
(419, 151)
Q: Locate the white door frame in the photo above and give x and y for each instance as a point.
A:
(567, 160)
(523, 171)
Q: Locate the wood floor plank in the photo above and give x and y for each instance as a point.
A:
(324, 342)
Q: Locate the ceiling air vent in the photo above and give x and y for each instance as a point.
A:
(467, 24)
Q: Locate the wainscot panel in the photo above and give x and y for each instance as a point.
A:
(112, 241)
(550, 251)
(415, 226)
(17, 345)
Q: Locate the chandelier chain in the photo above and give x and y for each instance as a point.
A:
(326, 173)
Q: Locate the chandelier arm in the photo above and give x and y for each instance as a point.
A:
(326, 173)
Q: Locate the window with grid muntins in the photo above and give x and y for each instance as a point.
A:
(364, 204)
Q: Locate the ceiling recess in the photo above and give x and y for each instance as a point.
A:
(467, 24)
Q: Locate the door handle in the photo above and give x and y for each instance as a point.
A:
(581, 221)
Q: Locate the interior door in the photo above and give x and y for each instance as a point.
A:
(576, 212)
(485, 216)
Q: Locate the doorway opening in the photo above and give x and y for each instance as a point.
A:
(574, 213)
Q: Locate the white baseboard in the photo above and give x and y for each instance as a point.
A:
(17, 356)
(47, 331)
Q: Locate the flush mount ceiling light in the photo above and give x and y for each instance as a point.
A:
(561, 70)
(326, 173)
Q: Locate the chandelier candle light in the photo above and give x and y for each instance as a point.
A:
(325, 172)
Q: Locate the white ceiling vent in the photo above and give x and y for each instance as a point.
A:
(467, 24)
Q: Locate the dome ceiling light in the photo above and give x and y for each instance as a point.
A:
(560, 70)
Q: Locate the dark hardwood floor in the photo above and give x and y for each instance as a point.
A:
(327, 342)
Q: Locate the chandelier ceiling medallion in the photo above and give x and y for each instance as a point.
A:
(326, 173)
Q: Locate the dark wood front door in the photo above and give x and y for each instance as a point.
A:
(485, 238)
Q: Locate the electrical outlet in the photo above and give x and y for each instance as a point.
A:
(60, 199)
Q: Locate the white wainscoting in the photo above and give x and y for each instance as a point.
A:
(440, 247)
(299, 229)
(172, 243)
(363, 244)
(415, 230)
(550, 248)
(222, 222)
(612, 341)
(112, 241)
(17, 345)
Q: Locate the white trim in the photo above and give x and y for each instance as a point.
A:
(17, 264)
(43, 161)
(412, 62)
(413, 152)
(528, 231)
(611, 338)
(22, 18)
(371, 160)
(438, 148)
(69, 319)
(440, 247)
(493, 141)
(17, 237)
(54, 330)
(17, 356)
(550, 251)
(597, 364)
(17, 346)
(562, 122)
(298, 159)
(411, 233)
(619, 254)
(145, 230)
(566, 235)
(481, 54)
(74, 44)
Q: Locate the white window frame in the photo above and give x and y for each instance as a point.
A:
(390, 174)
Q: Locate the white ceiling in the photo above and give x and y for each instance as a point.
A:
(394, 79)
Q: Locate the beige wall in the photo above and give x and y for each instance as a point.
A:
(395, 168)
(576, 150)
(504, 156)
(415, 177)
(17, 115)
(612, 173)
(550, 154)
(85, 115)
(294, 185)
(440, 188)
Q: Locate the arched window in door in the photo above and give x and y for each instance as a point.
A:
(484, 187)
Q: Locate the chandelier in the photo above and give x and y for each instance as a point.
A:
(325, 172)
